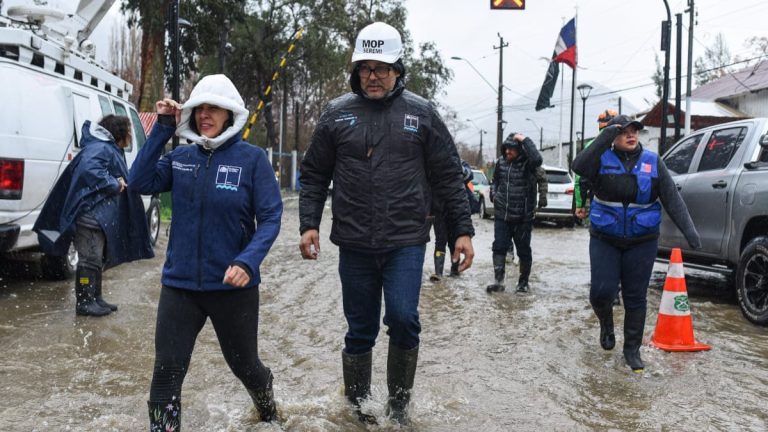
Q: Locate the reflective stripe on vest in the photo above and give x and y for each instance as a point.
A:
(639, 218)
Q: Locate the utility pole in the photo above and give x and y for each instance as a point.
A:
(499, 110)
(691, 13)
(224, 46)
(665, 45)
(678, 72)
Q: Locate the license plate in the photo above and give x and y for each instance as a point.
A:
(552, 196)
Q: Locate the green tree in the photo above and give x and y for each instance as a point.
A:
(150, 16)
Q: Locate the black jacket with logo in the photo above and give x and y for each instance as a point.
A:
(386, 158)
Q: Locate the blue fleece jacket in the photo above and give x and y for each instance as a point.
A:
(226, 207)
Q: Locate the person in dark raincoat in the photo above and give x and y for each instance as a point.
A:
(92, 206)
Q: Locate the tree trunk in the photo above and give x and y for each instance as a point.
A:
(152, 59)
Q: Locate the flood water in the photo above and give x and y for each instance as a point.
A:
(502, 362)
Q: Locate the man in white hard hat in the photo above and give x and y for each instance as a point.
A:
(387, 151)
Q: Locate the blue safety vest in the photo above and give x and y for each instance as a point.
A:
(639, 218)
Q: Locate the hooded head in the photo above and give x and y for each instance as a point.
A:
(510, 148)
(212, 91)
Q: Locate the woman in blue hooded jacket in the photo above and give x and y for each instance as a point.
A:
(226, 215)
(92, 207)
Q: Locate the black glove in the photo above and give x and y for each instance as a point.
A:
(542, 201)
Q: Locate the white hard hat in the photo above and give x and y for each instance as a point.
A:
(380, 42)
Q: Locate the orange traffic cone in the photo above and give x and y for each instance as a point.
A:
(674, 326)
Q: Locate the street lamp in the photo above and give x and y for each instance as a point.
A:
(477, 72)
(480, 152)
(584, 90)
(541, 133)
(500, 106)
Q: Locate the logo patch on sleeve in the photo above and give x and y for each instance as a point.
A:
(411, 123)
(228, 177)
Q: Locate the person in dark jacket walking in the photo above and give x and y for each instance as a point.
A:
(226, 215)
(514, 204)
(630, 186)
(542, 185)
(443, 237)
(387, 152)
(92, 206)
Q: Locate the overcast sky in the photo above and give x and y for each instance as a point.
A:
(617, 41)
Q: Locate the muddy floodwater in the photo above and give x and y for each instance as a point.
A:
(502, 362)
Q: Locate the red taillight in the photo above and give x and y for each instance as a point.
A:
(569, 191)
(11, 178)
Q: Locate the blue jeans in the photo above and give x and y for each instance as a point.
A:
(632, 267)
(364, 276)
(504, 233)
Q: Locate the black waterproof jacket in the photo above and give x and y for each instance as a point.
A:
(515, 186)
(386, 159)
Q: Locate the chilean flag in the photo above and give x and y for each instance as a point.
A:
(565, 52)
(565, 48)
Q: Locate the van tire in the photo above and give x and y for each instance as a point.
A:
(59, 267)
(752, 281)
(153, 220)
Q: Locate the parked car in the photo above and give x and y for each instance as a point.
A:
(559, 198)
(49, 88)
(483, 193)
(722, 174)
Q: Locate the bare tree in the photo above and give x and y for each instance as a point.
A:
(125, 55)
(714, 64)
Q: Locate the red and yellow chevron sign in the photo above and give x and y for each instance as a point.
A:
(507, 4)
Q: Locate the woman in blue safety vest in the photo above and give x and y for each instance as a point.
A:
(630, 186)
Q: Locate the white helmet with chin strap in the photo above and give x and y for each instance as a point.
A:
(380, 42)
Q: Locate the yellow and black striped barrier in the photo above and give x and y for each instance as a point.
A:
(275, 76)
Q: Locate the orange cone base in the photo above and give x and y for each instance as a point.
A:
(696, 346)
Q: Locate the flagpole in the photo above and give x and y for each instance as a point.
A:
(560, 152)
(571, 148)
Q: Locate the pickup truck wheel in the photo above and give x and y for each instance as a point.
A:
(153, 220)
(60, 267)
(752, 281)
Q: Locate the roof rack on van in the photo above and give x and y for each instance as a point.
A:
(40, 46)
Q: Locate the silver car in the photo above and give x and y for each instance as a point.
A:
(559, 197)
(483, 193)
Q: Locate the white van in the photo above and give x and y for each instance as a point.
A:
(48, 89)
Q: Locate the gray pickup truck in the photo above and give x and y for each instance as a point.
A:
(722, 174)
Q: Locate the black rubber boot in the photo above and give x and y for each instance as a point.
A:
(607, 336)
(164, 416)
(99, 299)
(264, 400)
(85, 293)
(634, 324)
(525, 272)
(498, 274)
(401, 370)
(357, 381)
(454, 269)
(439, 264)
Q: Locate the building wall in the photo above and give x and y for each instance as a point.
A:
(753, 104)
